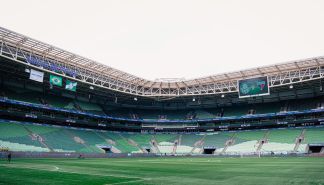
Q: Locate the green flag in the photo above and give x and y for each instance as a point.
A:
(56, 80)
(70, 85)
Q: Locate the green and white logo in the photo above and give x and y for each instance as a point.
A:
(70, 85)
(56, 80)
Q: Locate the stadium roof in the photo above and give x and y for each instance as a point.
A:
(99, 74)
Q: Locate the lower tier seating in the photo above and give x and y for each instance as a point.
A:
(44, 138)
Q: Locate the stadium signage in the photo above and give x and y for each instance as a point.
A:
(308, 124)
(253, 87)
(282, 123)
(70, 121)
(37, 76)
(245, 125)
(31, 116)
(223, 126)
(191, 128)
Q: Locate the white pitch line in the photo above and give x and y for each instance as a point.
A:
(139, 180)
(56, 168)
(72, 172)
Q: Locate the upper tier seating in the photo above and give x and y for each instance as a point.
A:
(55, 100)
(51, 100)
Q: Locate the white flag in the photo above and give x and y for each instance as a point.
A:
(36, 75)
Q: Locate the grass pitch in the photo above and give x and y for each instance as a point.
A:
(201, 171)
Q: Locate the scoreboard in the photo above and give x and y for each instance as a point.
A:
(253, 87)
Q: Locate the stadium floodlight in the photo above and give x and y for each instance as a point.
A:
(223, 95)
(291, 87)
(193, 99)
(135, 99)
(91, 87)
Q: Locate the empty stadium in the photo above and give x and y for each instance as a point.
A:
(173, 118)
(73, 120)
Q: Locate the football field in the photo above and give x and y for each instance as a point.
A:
(187, 171)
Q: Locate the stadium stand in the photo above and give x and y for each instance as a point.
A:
(121, 142)
(314, 135)
(97, 107)
(217, 139)
(19, 136)
(20, 94)
(16, 133)
(142, 140)
(57, 101)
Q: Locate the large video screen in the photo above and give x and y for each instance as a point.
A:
(253, 87)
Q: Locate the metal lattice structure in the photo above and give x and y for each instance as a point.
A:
(20, 48)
